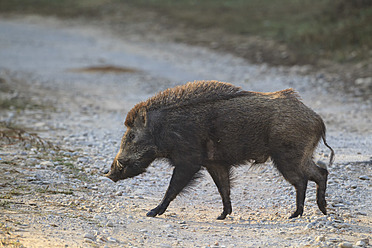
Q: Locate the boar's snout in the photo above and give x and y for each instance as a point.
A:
(115, 172)
(111, 176)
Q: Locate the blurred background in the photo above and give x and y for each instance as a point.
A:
(330, 35)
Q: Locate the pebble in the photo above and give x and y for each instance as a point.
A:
(88, 240)
(364, 241)
(165, 246)
(361, 213)
(83, 160)
(47, 164)
(338, 205)
(110, 224)
(89, 236)
(102, 238)
(365, 83)
(364, 177)
(320, 238)
(345, 245)
(67, 154)
(360, 243)
(112, 240)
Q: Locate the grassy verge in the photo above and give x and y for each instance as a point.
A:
(315, 29)
(338, 30)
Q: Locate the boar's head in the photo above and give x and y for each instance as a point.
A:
(137, 150)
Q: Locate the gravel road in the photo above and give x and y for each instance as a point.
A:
(80, 81)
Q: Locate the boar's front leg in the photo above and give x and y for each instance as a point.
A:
(221, 177)
(182, 176)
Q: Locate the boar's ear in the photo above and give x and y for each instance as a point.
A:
(136, 116)
(141, 118)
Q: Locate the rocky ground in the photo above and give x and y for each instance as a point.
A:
(78, 81)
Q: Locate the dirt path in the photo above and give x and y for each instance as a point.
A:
(80, 81)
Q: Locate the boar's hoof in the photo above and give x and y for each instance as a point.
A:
(324, 210)
(295, 214)
(224, 214)
(152, 213)
(322, 206)
(221, 217)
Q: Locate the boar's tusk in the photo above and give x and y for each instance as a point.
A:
(119, 165)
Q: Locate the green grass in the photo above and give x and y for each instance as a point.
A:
(338, 30)
(4, 204)
(46, 190)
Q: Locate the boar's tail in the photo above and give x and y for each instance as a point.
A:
(332, 152)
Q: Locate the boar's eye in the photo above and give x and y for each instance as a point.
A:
(130, 136)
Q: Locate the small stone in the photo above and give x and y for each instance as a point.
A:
(345, 245)
(110, 224)
(97, 217)
(112, 240)
(102, 238)
(334, 240)
(67, 154)
(338, 205)
(364, 82)
(39, 166)
(88, 240)
(364, 177)
(47, 164)
(348, 215)
(361, 213)
(82, 159)
(360, 243)
(363, 242)
(89, 236)
(104, 179)
(165, 246)
(320, 238)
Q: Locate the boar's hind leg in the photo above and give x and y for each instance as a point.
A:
(221, 177)
(181, 177)
(291, 171)
(319, 176)
(300, 186)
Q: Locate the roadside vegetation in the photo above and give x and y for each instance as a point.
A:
(338, 30)
(322, 29)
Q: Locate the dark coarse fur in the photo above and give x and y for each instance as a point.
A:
(217, 126)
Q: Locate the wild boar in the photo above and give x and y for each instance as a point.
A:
(218, 126)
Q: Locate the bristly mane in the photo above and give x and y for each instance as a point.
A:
(189, 94)
(197, 92)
